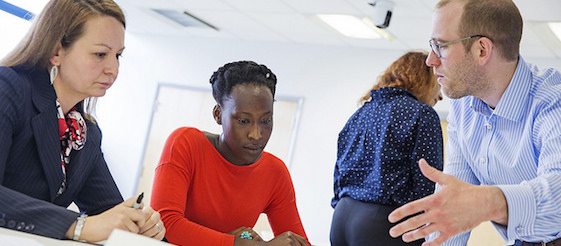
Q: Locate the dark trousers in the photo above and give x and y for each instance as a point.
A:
(357, 223)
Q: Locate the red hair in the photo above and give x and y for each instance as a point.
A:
(408, 72)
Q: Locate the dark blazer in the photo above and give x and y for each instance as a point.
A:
(30, 165)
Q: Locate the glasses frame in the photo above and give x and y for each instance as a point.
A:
(435, 47)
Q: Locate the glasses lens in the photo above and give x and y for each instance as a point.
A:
(434, 48)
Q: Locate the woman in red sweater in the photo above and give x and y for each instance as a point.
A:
(210, 189)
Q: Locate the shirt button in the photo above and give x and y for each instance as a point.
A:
(519, 228)
(11, 224)
(483, 160)
(489, 127)
(29, 227)
(20, 226)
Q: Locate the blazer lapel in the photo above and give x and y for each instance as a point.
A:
(45, 130)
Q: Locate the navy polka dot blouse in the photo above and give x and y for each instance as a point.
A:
(379, 147)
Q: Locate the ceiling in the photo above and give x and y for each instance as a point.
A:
(293, 21)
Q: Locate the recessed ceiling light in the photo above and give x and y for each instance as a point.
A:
(350, 26)
(184, 18)
(382, 32)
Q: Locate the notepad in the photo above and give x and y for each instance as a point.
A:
(120, 237)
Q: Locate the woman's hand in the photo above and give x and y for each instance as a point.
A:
(123, 216)
(288, 238)
(239, 241)
(153, 227)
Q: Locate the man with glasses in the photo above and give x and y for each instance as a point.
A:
(504, 137)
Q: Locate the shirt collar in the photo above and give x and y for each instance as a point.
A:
(387, 92)
(514, 99)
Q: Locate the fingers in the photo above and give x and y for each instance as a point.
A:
(157, 231)
(299, 239)
(127, 217)
(418, 233)
(162, 232)
(409, 228)
(128, 225)
(152, 227)
(455, 208)
(153, 218)
(244, 230)
(421, 204)
(123, 216)
(236, 231)
(408, 209)
(129, 202)
(425, 231)
(290, 238)
(432, 173)
(255, 235)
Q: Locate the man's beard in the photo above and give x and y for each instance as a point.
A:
(470, 80)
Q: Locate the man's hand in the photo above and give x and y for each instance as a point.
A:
(457, 207)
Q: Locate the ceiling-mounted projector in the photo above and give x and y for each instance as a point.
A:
(382, 12)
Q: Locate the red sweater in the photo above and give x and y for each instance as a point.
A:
(201, 196)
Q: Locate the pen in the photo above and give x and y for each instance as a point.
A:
(138, 200)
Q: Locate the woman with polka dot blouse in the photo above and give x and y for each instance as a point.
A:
(378, 150)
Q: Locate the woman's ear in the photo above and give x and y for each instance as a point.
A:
(217, 113)
(55, 59)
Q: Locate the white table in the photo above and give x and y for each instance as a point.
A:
(18, 238)
(10, 237)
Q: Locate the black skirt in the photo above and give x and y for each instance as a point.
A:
(357, 223)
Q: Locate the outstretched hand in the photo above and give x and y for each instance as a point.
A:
(457, 207)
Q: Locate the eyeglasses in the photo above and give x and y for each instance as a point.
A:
(436, 46)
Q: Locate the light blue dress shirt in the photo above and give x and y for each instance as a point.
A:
(517, 148)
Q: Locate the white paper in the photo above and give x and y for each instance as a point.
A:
(120, 238)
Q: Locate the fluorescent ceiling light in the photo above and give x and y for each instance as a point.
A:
(383, 32)
(349, 26)
(184, 18)
(555, 28)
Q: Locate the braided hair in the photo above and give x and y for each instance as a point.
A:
(237, 73)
